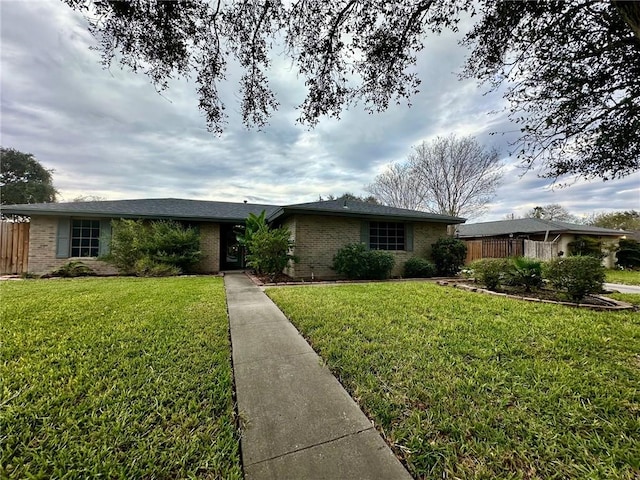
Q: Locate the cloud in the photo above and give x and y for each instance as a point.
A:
(109, 133)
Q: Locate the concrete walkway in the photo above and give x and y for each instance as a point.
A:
(618, 287)
(299, 423)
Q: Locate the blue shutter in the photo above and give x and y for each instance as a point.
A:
(408, 237)
(364, 234)
(63, 237)
(105, 237)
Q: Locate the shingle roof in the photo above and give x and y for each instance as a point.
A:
(146, 208)
(342, 207)
(530, 226)
(175, 208)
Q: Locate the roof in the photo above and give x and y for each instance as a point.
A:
(202, 210)
(168, 208)
(530, 226)
(354, 208)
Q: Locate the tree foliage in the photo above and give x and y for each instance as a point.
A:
(627, 220)
(450, 175)
(23, 179)
(268, 251)
(570, 70)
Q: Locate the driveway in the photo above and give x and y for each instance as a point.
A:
(618, 287)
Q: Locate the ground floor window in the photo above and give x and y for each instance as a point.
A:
(85, 238)
(387, 236)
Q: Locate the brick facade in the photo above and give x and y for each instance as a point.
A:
(317, 239)
(42, 249)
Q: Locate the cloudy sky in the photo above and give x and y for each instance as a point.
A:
(109, 133)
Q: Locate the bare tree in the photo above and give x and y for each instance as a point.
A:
(450, 175)
(552, 211)
(398, 187)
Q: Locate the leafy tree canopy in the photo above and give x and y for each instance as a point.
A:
(628, 220)
(552, 211)
(570, 70)
(23, 179)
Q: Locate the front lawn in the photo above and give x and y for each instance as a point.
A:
(626, 277)
(116, 378)
(464, 385)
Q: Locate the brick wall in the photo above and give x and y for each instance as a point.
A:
(210, 247)
(318, 238)
(42, 249)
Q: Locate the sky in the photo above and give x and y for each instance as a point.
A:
(109, 133)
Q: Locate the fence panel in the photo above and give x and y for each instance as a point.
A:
(540, 250)
(474, 250)
(14, 247)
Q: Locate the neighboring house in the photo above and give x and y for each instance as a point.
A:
(540, 230)
(61, 232)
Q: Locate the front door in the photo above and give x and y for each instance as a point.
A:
(231, 253)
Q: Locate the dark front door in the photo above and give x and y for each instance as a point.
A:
(231, 253)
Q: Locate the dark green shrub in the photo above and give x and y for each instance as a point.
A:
(583, 246)
(380, 263)
(135, 245)
(628, 253)
(449, 255)
(72, 269)
(351, 261)
(268, 250)
(525, 272)
(577, 276)
(491, 272)
(356, 262)
(417, 267)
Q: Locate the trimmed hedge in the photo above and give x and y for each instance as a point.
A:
(356, 262)
(417, 267)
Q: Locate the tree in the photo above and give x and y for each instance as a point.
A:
(552, 211)
(88, 198)
(570, 69)
(351, 196)
(451, 176)
(628, 220)
(23, 179)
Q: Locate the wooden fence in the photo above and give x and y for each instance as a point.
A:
(14, 247)
(540, 250)
(509, 247)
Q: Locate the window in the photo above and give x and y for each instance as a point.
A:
(386, 236)
(85, 238)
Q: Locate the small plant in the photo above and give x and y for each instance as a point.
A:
(525, 272)
(628, 254)
(73, 269)
(356, 262)
(268, 250)
(449, 255)
(582, 246)
(417, 267)
(577, 276)
(29, 275)
(491, 272)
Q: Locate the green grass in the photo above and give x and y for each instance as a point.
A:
(464, 385)
(116, 378)
(632, 298)
(626, 277)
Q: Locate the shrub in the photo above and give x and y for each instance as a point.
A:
(380, 264)
(577, 276)
(417, 267)
(148, 267)
(582, 246)
(449, 255)
(72, 269)
(136, 246)
(356, 262)
(268, 250)
(491, 272)
(628, 254)
(525, 272)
